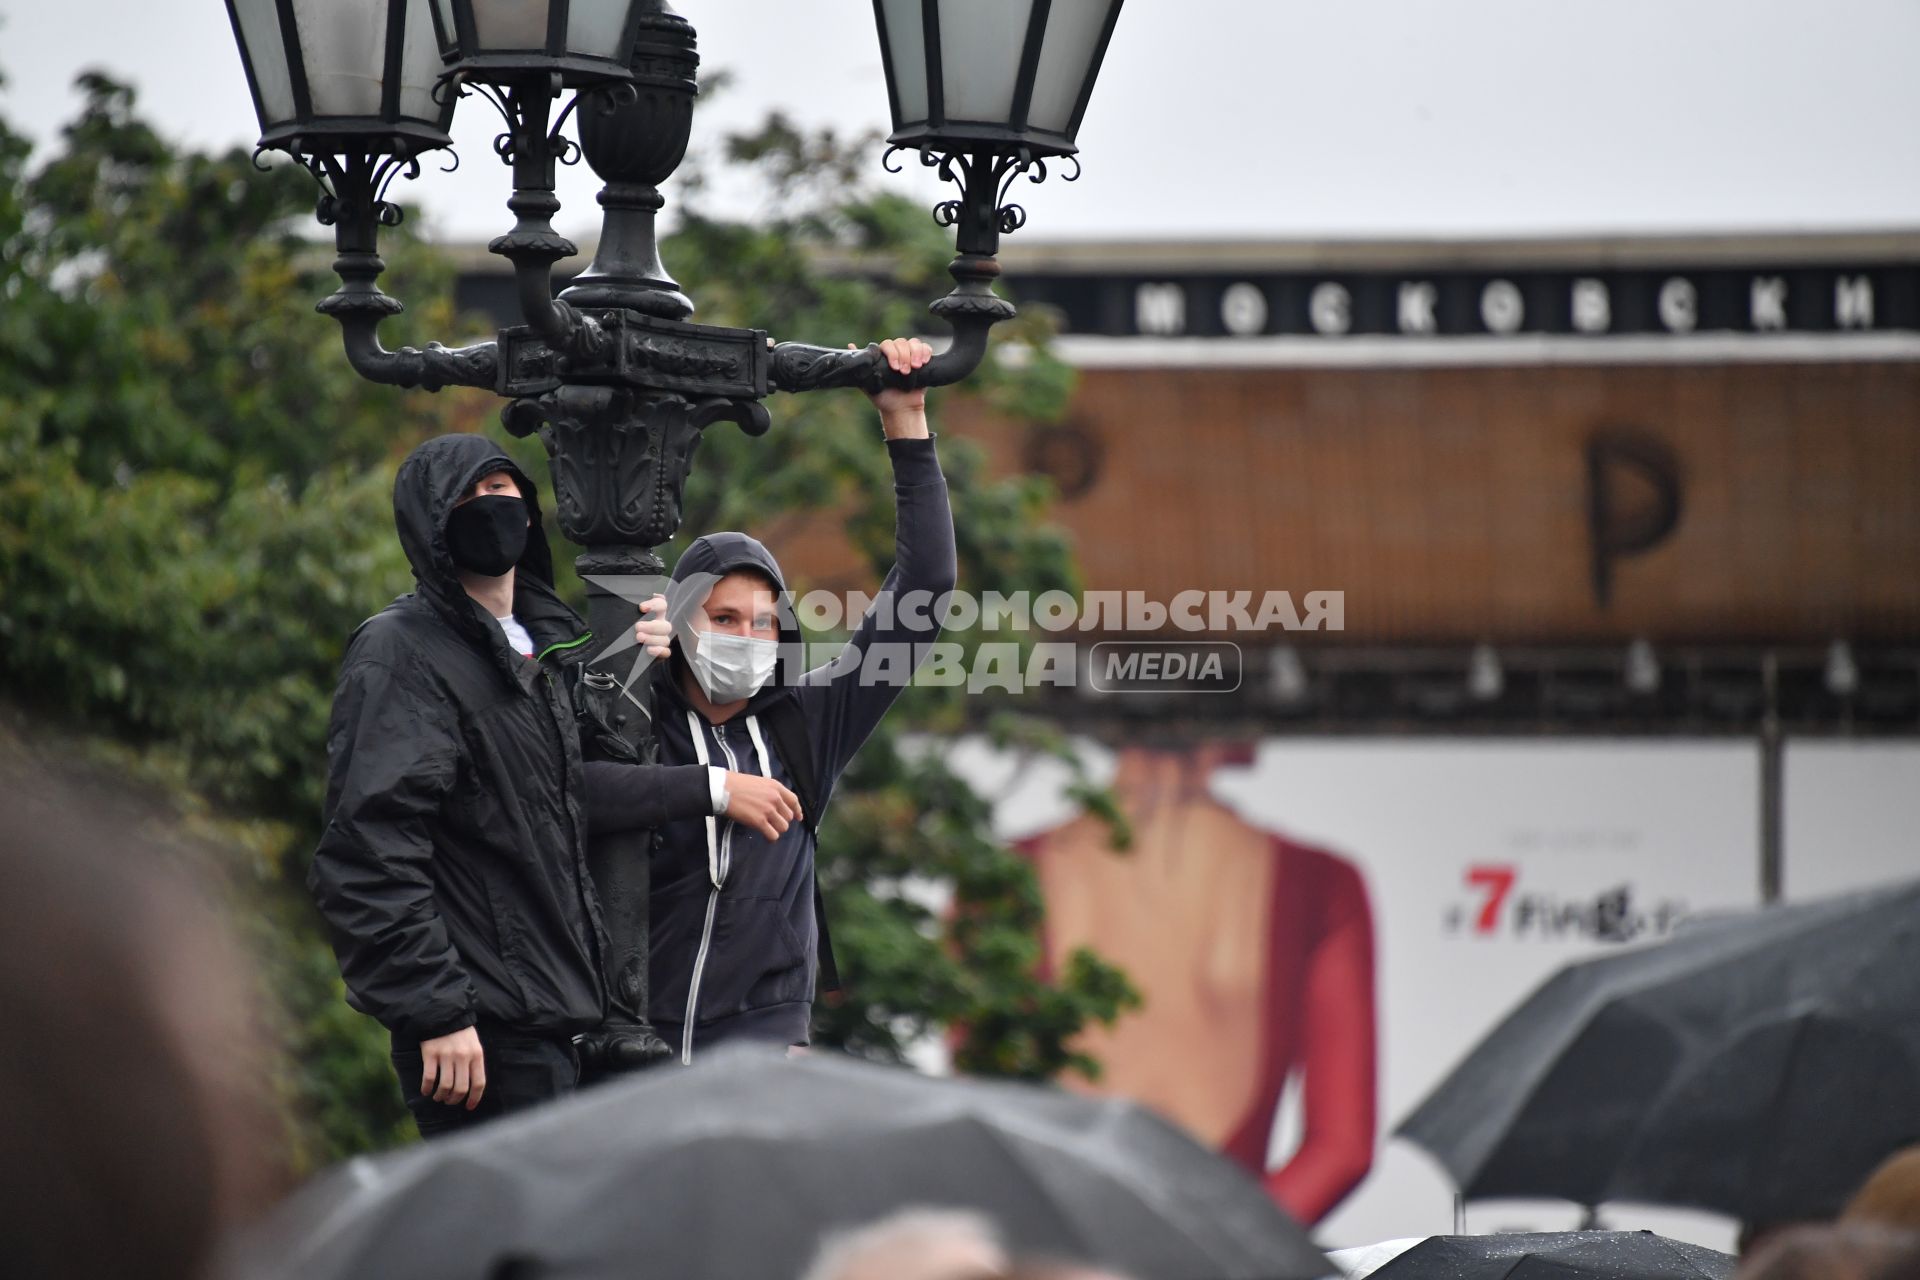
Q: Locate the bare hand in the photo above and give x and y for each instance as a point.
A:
(761, 803)
(453, 1069)
(654, 634)
(903, 355)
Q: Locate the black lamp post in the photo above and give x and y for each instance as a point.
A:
(616, 380)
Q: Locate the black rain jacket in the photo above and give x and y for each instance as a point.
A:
(735, 959)
(452, 866)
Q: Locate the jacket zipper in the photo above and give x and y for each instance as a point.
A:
(725, 860)
(581, 871)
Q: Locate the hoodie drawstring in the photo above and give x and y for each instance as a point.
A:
(759, 746)
(713, 820)
(714, 870)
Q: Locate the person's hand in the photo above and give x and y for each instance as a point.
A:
(903, 355)
(655, 635)
(452, 1068)
(761, 803)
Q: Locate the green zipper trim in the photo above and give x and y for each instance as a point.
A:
(562, 644)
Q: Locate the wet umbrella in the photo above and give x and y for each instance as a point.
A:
(1544, 1255)
(732, 1169)
(1759, 1064)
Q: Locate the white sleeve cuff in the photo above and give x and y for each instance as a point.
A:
(717, 788)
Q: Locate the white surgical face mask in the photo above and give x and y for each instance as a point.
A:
(732, 668)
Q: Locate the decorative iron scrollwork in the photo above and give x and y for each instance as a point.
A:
(350, 185)
(985, 180)
(522, 107)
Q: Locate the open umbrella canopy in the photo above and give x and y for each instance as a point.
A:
(732, 1169)
(1545, 1255)
(1757, 1064)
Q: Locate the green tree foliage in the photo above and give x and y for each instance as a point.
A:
(198, 512)
(195, 513)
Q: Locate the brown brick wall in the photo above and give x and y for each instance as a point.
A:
(1451, 504)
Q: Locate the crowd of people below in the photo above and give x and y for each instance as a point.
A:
(1876, 1237)
(138, 1126)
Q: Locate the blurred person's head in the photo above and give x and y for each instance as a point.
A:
(1053, 1270)
(1835, 1253)
(133, 1121)
(1756, 1236)
(1890, 1197)
(913, 1244)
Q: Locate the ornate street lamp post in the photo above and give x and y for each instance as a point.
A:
(613, 376)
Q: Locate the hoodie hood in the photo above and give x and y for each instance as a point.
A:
(714, 556)
(429, 485)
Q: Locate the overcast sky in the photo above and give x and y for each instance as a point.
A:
(1247, 117)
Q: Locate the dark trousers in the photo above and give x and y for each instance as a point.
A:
(522, 1071)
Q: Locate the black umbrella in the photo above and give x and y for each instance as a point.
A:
(732, 1169)
(1550, 1255)
(1758, 1064)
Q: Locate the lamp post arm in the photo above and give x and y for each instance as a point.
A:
(431, 368)
(971, 309)
(533, 145)
(353, 207)
(533, 285)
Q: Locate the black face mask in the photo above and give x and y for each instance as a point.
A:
(487, 534)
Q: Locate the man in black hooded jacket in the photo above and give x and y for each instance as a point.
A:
(735, 929)
(452, 866)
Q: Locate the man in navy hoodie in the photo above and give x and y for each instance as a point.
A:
(736, 927)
